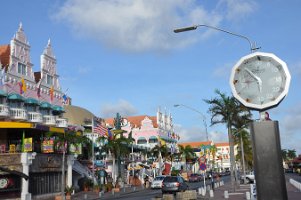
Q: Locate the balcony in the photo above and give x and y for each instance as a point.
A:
(35, 117)
(4, 111)
(61, 122)
(49, 120)
(18, 113)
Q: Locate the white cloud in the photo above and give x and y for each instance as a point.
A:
(122, 107)
(136, 26)
(236, 10)
(194, 134)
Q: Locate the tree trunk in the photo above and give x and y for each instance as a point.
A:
(232, 159)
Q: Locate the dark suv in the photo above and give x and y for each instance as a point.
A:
(173, 184)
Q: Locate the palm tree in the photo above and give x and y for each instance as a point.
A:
(284, 155)
(63, 142)
(291, 154)
(160, 151)
(187, 153)
(212, 151)
(118, 147)
(243, 139)
(225, 109)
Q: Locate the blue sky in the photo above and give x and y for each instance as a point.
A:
(122, 55)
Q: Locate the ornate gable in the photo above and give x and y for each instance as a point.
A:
(20, 63)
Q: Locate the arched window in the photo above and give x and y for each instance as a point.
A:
(152, 139)
(141, 140)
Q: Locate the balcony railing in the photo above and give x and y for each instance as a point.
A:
(35, 117)
(49, 120)
(4, 111)
(61, 122)
(18, 113)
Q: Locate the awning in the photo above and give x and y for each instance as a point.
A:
(32, 101)
(2, 93)
(16, 125)
(58, 108)
(45, 105)
(16, 97)
(4, 169)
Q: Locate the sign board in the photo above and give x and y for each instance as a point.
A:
(203, 166)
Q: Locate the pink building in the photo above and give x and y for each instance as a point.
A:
(26, 95)
(148, 131)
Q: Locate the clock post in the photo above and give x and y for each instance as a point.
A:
(261, 81)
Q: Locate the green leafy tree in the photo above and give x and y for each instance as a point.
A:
(187, 153)
(224, 110)
(62, 141)
(117, 146)
(291, 154)
(284, 155)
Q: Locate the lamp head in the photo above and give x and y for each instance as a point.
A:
(190, 28)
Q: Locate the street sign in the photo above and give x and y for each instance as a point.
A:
(203, 166)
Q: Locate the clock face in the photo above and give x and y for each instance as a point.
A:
(260, 80)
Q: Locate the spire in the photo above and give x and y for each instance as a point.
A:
(48, 49)
(20, 34)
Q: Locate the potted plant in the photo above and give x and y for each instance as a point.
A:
(87, 184)
(109, 187)
(96, 188)
(68, 191)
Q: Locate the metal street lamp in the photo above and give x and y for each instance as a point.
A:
(195, 110)
(252, 48)
(191, 28)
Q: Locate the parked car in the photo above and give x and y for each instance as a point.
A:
(157, 182)
(195, 178)
(173, 184)
(250, 177)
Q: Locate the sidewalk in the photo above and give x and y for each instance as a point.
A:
(240, 194)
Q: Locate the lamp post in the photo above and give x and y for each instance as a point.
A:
(252, 49)
(203, 117)
(191, 28)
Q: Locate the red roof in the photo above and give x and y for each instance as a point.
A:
(135, 120)
(195, 144)
(5, 54)
(198, 144)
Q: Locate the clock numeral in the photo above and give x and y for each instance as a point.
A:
(269, 96)
(276, 89)
(275, 69)
(278, 79)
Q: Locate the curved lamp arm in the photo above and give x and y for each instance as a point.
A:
(190, 28)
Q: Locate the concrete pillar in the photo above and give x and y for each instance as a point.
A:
(70, 162)
(26, 160)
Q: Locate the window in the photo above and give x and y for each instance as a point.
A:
(21, 69)
(49, 80)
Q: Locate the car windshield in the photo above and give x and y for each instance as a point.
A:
(159, 178)
(171, 179)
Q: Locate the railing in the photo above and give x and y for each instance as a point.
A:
(4, 111)
(49, 120)
(18, 113)
(61, 122)
(81, 169)
(35, 117)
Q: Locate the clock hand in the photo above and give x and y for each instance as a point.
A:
(259, 81)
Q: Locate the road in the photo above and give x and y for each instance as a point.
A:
(148, 194)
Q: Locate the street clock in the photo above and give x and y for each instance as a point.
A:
(260, 80)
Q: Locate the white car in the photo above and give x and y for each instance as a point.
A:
(250, 177)
(157, 182)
